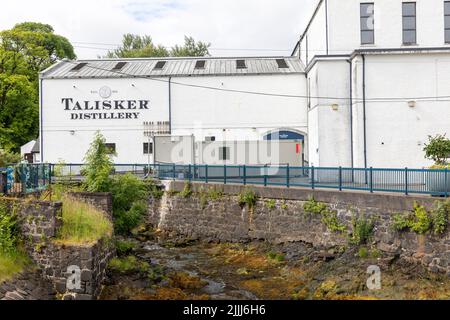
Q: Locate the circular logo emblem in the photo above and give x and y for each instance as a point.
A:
(105, 92)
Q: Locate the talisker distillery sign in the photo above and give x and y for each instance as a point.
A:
(105, 109)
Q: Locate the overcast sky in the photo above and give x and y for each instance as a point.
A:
(96, 25)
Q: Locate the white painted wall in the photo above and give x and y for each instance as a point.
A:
(60, 144)
(344, 24)
(329, 129)
(231, 116)
(396, 133)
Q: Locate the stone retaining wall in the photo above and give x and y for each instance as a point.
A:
(100, 200)
(226, 220)
(40, 222)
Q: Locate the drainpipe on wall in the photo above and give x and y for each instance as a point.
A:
(352, 157)
(326, 23)
(170, 105)
(364, 111)
(41, 117)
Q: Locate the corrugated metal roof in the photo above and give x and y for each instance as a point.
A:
(175, 67)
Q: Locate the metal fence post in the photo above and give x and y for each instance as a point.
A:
(206, 174)
(406, 181)
(224, 174)
(313, 178)
(288, 176)
(371, 180)
(265, 176)
(340, 178)
(446, 183)
(174, 168)
(189, 174)
(245, 175)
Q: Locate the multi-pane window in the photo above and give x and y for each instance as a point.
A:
(409, 23)
(148, 148)
(224, 153)
(447, 21)
(367, 23)
(111, 147)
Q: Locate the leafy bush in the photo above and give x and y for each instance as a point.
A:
(271, 204)
(124, 247)
(440, 215)
(422, 221)
(314, 207)
(9, 233)
(126, 220)
(129, 202)
(12, 258)
(247, 197)
(127, 189)
(438, 150)
(330, 219)
(362, 230)
(83, 223)
(401, 222)
(98, 166)
(7, 158)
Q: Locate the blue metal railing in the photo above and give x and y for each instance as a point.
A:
(407, 181)
(26, 178)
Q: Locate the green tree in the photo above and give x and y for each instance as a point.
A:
(135, 46)
(25, 50)
(438, 150)
(98, 166)
(190, 49)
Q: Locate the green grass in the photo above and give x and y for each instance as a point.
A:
(83, 223)
(12, 264)
(128, 264)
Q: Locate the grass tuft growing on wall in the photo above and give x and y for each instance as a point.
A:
(83, 223)
(12, 263)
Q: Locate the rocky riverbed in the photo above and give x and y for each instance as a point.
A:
(157, 268)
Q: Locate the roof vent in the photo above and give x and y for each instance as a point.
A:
(240, 64)
(200, 64)
(119, 66)
(160, 65)
(282, 64)
(79, 66)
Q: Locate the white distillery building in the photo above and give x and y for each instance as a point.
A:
(231, 108)
(366, 85)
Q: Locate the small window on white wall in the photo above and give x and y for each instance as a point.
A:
(409, 23)
(224, 153)
(367, 23)
(447, 21)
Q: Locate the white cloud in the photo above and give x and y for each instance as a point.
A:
(226, 24)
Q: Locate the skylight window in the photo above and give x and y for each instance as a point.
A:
(160, 65)
(79, 66)
(119, 66)
(282, 64)
(240, 64)
(200, 64)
